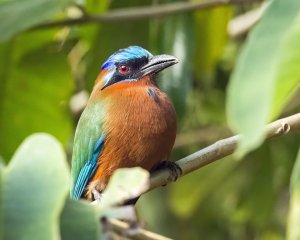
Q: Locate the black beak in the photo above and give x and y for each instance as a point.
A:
(156, 64)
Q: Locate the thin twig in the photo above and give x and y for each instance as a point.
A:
(137, 13)
(124, 229)
(221, 149)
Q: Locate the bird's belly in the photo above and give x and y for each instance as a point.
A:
(140, 136)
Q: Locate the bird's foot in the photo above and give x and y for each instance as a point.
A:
(97, 197)
(175, 170)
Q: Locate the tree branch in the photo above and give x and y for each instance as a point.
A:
(221, 149)
(124, 229)
(137, 13)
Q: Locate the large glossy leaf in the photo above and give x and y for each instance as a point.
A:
(288, 76)
(125, 184)
(16, 15)
(293, 231)
(265, 60)
(80, 220)
(33, 189)
(34, 95)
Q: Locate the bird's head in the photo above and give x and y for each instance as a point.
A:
(132, 64)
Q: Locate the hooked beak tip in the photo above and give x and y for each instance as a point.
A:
(158, 63)
(164, 59)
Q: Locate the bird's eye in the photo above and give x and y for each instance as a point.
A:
(123, 69)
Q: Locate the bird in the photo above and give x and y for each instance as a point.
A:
(127, 122)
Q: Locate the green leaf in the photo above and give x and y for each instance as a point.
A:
(80, 220)
(293, 230)
(127, 212)
(252, 84)
(125, 184)
(16, 15)
(288, 75)
(33, 190)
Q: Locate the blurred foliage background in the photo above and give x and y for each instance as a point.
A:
(47, 69)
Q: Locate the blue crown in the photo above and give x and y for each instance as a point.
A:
(126, 54)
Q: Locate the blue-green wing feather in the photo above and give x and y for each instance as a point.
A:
(88, 145)
(87, 171)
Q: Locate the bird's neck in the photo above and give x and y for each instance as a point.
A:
(121, 87)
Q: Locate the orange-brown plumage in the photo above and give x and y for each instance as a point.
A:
(140, 130)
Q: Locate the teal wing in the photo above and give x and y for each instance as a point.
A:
(88, 145)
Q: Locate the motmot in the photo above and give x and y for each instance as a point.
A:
(128, 121)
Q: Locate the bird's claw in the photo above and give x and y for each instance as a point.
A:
(175, 170)
(97, 196)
